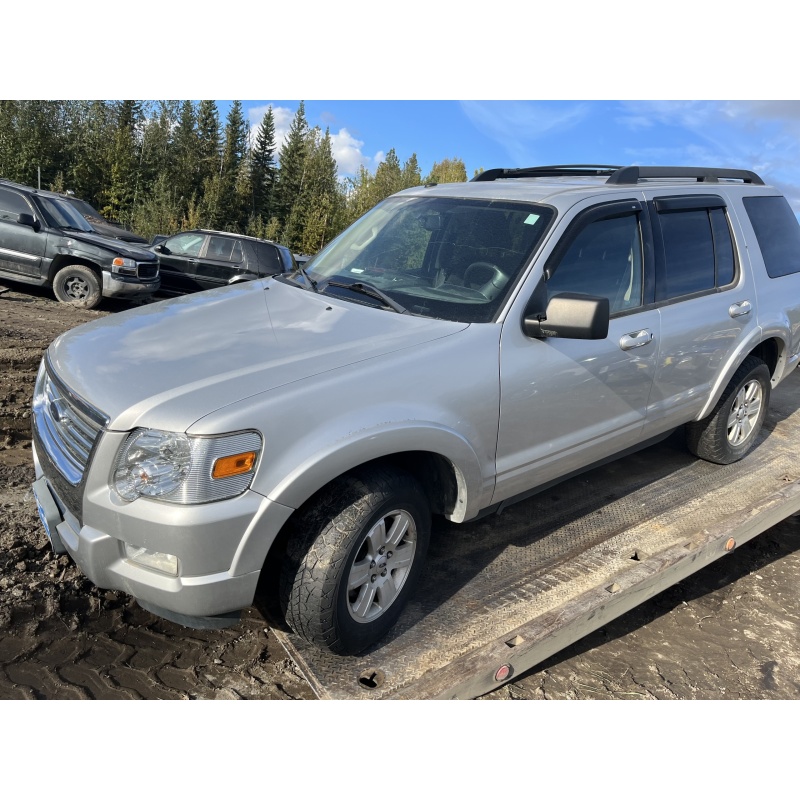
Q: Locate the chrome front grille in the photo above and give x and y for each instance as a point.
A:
(67, 426)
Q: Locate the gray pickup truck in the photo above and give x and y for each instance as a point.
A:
(458, 348)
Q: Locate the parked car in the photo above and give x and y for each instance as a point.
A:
(100, 224)
(458, 348)
(201, 259)
(44, 241)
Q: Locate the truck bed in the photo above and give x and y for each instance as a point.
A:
(502, 594)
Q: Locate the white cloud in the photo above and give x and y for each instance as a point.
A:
(347, 152)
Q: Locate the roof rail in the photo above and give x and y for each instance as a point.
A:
(622, 175)
(632, 175)
(558, 170)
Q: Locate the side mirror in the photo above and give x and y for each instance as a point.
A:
(30, 221)
(159, 248)
(570, 316)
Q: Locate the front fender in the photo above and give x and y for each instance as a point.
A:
(317, 468)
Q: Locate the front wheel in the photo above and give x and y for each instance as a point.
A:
(731, 429)
(77, 285)
(354, 558)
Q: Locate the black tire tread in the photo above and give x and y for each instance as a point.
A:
(707, 438)
(322, 533)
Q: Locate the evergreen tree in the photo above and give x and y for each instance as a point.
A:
(412, 176)
(208, 141)
(263, 167)
(184, 170)
(321, 201)
(388, 177)
(292, 158)
(124, 166)
(234, 185)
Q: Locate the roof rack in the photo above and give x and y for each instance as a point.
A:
(555, 171)
(623, 175)
(701, 174)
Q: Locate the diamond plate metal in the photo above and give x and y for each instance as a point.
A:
(486, 579)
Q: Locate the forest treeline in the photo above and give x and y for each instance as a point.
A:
(159, 167)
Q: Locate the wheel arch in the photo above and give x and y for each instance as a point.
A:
(772, 351)
(63, 260)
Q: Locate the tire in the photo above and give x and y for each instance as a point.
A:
(732, 428)
(77, 285)
(348, 537)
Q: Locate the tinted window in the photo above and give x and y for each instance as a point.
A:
(604, 260)
(221, 248)
(268, 259)
(723, 247)
(12, 204)
(778, 233)
(689, 252)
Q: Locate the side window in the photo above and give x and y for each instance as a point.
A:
(269, 262)
(222, 248)
(698, 253)
(11, 205)
(184, 244)
(604, 259)
(778, 233)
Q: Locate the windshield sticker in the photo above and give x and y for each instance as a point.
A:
(532, 219)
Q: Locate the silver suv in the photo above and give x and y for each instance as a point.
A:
(460, 347)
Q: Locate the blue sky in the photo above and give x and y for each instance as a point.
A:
(760, 135)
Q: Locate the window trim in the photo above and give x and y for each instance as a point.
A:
(596, 213)
(670, 204)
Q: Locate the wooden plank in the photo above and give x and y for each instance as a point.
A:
(530, 644)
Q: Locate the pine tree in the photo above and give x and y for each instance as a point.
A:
(263, 167)
(412, 176)
(184, 170)
(292, 158)
(234, 188)
(124, 162)
(321, 202)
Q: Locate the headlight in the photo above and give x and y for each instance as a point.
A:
(185, 469)
(124, 266)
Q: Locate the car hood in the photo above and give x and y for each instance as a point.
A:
(111, 245)
(117, 232)
(169, 364)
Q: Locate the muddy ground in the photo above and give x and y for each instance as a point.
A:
(730, 631)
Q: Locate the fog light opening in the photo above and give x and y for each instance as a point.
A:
(152, 559)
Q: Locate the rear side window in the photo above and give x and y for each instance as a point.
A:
(778, 234)
(221, 248)
(698, 254)
(269, 262)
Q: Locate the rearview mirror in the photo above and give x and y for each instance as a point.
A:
(570, 316)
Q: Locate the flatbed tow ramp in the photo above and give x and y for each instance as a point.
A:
(502, 594)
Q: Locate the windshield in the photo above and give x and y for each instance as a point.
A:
(86, 210)
(61, 215)
(440, 257)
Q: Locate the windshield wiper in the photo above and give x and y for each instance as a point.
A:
(310, 282)
(370, 290)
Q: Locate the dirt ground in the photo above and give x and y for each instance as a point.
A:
(730, 631)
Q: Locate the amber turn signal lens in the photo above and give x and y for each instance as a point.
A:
(233, 465)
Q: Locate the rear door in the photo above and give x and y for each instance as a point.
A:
(706, 298)
(221, 262)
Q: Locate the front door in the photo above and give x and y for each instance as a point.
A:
(21, 247)
(566, 403)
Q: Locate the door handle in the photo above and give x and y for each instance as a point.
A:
(636, 339)
(740, 309)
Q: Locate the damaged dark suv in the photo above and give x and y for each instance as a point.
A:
(44, 241)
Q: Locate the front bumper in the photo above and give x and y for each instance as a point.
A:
(220, 547)
(128, 286)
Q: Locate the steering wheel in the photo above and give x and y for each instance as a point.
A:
(490, 279)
